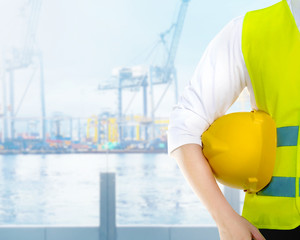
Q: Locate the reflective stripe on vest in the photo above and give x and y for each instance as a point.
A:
(280, 187)
(283, 186)
(287, 136)
(271, 50)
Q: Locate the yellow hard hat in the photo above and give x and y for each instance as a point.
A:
(241, 149)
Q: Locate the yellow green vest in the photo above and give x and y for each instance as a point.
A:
(271, 49)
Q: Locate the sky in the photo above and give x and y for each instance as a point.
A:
(82, 41)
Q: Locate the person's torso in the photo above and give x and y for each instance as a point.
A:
(271, 49)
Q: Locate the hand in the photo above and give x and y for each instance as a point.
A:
(238, 228)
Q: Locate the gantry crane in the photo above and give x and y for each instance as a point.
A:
(23, 58)
(138, 77)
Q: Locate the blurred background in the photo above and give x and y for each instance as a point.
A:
(87, 86)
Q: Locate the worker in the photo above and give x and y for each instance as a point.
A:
(259, 51)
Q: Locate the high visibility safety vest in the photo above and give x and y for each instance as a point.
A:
(271, 49)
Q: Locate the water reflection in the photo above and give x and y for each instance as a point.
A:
(64, 190)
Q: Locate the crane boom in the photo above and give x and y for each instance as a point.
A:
(29, 43)
(169, 65)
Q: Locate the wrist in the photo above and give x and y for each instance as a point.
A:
(224, 216)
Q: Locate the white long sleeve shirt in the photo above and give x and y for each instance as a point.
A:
(218, 80)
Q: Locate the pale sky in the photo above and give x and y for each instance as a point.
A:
(83, 40)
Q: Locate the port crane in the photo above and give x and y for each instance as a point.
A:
(19, 59)
(138, 77)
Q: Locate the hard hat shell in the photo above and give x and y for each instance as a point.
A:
(241, 149)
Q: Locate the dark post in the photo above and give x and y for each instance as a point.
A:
(107, 206)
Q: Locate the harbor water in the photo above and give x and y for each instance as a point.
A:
(63, 189)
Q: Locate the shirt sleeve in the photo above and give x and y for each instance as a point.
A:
(218, 80)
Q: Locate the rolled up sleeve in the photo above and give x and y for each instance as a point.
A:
(218, 80)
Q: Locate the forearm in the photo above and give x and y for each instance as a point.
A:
(198, 173)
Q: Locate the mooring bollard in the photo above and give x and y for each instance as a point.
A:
(107, 206)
